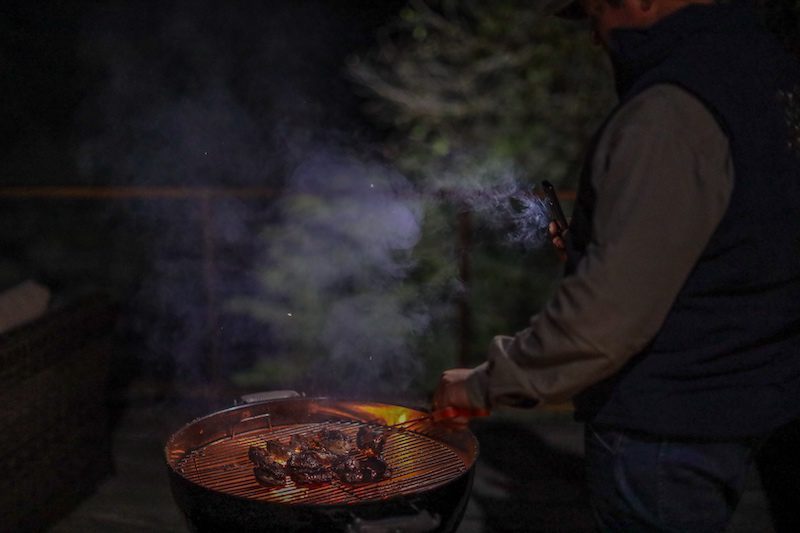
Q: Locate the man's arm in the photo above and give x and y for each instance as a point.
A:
(663, 177)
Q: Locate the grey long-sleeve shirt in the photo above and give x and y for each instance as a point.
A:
(663, 176)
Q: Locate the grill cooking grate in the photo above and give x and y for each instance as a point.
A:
(418, 463)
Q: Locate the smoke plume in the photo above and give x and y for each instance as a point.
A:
(305, 283)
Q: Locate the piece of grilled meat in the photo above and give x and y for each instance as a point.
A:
(267, 472)
(311, 477)
(370, 441)
(308, 468)
(299, 443)
(333, 441)
(272, 476)
(353, 470)
(375, 469)
(306, 460)
(349, 470)
(258, 456)
(277, 452)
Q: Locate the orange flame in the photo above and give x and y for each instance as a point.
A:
(387, 415)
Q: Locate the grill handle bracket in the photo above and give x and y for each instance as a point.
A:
(267, 396)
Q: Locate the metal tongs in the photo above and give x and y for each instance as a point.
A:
(446, 414)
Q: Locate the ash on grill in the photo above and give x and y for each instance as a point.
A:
(320, 458)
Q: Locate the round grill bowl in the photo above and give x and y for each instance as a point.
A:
(212, 479)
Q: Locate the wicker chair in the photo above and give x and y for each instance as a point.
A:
(54, 439)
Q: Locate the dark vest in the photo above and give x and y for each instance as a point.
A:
(726, 361)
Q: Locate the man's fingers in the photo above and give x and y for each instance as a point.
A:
(452, 389)
(557, 238)
(456, 423)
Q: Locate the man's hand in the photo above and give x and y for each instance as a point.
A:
(452, 392)
(452, 389)
(557, 238)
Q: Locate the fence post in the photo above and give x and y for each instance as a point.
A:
(214, 366)
(464, 273)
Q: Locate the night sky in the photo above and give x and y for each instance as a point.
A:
(79, 73)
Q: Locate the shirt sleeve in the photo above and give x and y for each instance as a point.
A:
(663, 176)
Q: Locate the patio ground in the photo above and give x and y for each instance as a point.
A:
(528, 477)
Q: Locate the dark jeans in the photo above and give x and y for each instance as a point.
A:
(778, 463)
(644, 483)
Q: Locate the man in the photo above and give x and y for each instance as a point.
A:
(676, 331)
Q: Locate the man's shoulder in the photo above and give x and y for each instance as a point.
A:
(669, 108)
(667, 99)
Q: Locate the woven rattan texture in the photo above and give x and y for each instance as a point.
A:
(54, 441)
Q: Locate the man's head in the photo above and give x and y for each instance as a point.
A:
(608, 15)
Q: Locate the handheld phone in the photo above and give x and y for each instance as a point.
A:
(555, 206)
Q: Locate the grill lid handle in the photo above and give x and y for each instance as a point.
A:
(422, 522)
(267, 396)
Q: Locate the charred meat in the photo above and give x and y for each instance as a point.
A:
(278, 452)
(328, 445)
(267, 472)
(311, 477)
(308, 468)
(370, 441)
(353, 470)
(333, 441)
(271, 476)
(328, 459)
(299, 443)
(321, 457)
(306, 460)
(349, 470)
(375, 469)
(258, 456)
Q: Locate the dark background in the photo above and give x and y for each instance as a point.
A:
(59, 58)
(150, 95)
